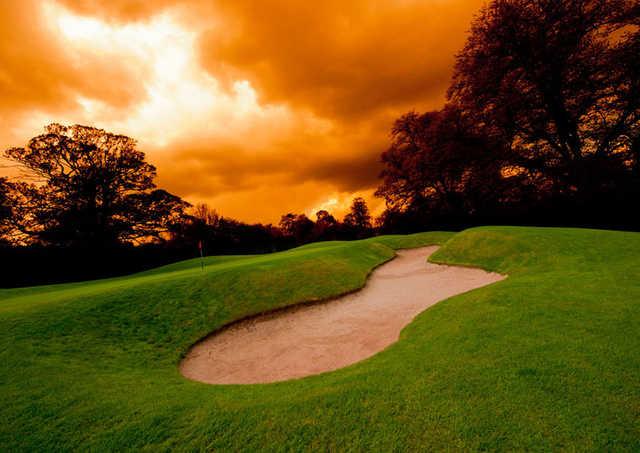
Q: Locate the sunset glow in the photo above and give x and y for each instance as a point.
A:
(256, 110)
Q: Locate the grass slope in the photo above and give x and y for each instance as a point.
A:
(547, 359)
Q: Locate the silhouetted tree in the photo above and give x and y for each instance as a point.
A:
(92, 187)
(304, 229)
(287, 224)
(299, 227)
(223, 235)
(326, 226)
(558, 82)
(206, 215)
(201, 228)
(359, 219)
(542, 124)
(5, 211)
(439, 167)
(323, 217)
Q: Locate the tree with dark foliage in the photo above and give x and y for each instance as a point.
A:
(206, 215)
(559, 83)
(325, 218)
(441, 169)
(287, 224)
(359, 219)
(92, 188)
(299, 227)
(220, 235)
(5, 212)
(198, 228)
(326, 227)
(542, 124)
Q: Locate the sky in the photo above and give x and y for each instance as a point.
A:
(257, 108)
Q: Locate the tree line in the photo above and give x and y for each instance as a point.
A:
(541, 126)
(85, 187)
(542, 123)
(86, 206)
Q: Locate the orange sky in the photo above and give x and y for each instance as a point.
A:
(255, 107)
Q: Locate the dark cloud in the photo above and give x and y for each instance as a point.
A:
(341, 59)
(353, 66)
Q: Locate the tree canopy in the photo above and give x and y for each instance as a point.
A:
(359, 218)
(90, 187)
(543, 113)
(438, 161)
(558, 83)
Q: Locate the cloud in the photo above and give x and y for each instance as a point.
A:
(39, 72)
(121, 10)
(344, 59)
(255, 107)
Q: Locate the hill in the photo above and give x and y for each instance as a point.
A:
(547, 359)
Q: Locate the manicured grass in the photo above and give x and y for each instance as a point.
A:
(547, 359)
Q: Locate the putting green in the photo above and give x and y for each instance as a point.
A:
(547, 359)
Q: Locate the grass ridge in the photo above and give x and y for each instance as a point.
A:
(548, 359)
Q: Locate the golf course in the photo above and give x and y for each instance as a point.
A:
(547, 358)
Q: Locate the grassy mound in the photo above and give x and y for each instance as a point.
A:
(546, 359)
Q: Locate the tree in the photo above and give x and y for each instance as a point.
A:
(288, 223)
(299, 227)
(92, 188)
(203, 227)
(358, 217)
(326, 226)
(558, 81)
(220, 235)
(5, 211)
(439, 166)
(207, 216)
(324, 218)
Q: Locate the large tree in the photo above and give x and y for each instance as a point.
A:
(439, 165)
(91, 187)
(559, 82)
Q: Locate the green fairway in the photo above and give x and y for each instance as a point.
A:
(547, 359)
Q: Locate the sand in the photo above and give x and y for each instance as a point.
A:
(314, 339)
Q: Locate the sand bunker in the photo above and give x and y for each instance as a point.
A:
(313, 339)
